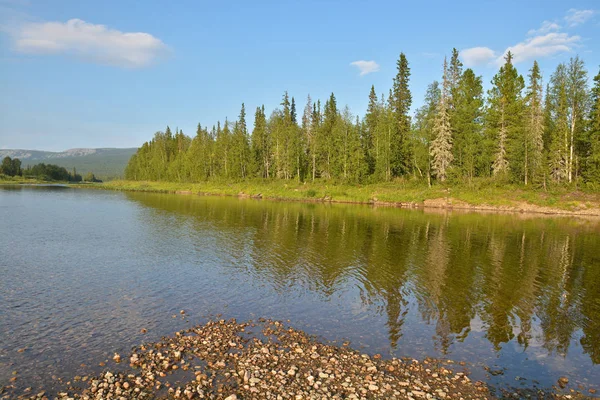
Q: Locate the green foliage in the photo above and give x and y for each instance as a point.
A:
(466, 120)
(592, 156)
(504, 120)
(400, 102)
(90, 177)
(514, 136)
(10, 167)
(51, 172)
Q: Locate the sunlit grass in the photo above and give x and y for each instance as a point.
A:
(482, 193)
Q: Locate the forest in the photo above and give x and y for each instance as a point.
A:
(11, 167)
(523, 131)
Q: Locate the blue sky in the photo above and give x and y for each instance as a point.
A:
(110, 73)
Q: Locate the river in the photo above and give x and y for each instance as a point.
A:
(515, 297)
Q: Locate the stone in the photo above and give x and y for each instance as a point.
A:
(563, 381)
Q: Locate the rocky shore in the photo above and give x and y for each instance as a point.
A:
(267, 360)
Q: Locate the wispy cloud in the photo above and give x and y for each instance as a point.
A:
(477, 56)
(547, 40)
(87, 41)
(546, 27)
(576, 17)
(542, 46)
(365, 67)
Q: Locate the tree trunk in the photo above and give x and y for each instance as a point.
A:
(526, 166)
(571, 145)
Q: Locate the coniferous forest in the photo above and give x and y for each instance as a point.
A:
(525, 129)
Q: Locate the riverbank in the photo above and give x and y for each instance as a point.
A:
(268, 360)
(482, 196)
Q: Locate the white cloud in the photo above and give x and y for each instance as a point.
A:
(365, 67)
(545, 41)
(576, 17)
(546, 27)
(541, 46)
(477, 56)
(88, 41)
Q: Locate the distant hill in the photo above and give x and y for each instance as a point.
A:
(104, 163)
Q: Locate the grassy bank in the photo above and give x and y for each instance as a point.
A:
(19, 180)
(482, 195)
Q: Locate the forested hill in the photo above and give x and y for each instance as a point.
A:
(526, 130)
(105, 163)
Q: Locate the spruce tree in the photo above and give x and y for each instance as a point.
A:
(330, 135)
(261, 143)
(369, 131)
(307, 134)
(454, 78)
(423, 131)
(592, 172)
(534, 126)
(441, 146)
(504, 118)
(315, 147)
(558, 129)
(401, 100)
(466, 120)
(577, 98)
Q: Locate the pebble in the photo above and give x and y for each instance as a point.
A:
(278, 362)
(563, 381)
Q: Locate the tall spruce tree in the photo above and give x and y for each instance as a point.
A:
(330, 135)
(577, 98)
(401, 101)
(423, 131)
(592, 171)
(307, 134)
(558, 125)
(316, 142)
(466, 121)
(261, 155)
(369, 131)
(441, 146)
(534, 126)
(504, 118)
(454, 78)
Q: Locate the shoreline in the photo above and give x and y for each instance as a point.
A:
(267, 359)
(572, 207)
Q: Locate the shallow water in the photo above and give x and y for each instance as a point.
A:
(82, 271)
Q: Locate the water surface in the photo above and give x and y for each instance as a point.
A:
(82, 271)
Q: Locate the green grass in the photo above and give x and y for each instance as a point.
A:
(19, 180)
(481, 193)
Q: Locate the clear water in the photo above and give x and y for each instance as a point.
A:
(82, 271)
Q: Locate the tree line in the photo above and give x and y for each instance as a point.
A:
(49, 172)
(521, 132)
